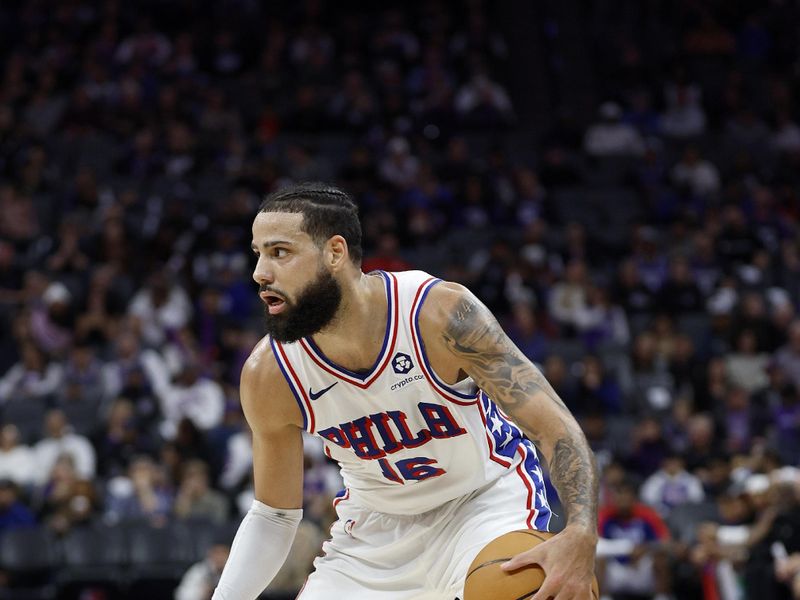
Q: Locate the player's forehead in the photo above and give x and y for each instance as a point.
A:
(269, 227)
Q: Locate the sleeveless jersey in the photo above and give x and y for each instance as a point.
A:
(405, 440)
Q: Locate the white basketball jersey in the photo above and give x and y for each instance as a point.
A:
(406, 441)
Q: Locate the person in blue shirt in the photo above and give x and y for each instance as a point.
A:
(13, 513)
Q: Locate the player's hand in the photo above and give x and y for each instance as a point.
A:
(568, 563)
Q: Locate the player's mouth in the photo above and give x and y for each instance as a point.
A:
(275, 304)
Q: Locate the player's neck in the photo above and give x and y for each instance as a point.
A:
(354, 338)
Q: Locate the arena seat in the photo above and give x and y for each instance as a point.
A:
(31, 555)
(159, 556)
(27, 414)
(684, 519)
(94, 556)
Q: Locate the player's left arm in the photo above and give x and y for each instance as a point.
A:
(474, 338)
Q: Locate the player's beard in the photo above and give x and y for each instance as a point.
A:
(311, 311)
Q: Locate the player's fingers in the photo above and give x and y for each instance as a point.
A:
(550, 589)
(522, 559)
(554, 589)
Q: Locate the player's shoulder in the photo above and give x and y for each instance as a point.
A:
(261, 365)
(263, 389)
(443, 300)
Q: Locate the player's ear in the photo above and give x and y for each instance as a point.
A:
(336, 253)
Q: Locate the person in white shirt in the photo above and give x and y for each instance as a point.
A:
(696, 174)
(684, 116)
(17, 461)
(610, 136)
(568, 298)
(160, 307)
(238, 460)
(31, 377)
(672, 485)
(199, 581)
(61, 440)
(190, 395)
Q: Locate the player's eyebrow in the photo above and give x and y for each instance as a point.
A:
(266, 245)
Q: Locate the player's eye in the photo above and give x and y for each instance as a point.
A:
(280, 252)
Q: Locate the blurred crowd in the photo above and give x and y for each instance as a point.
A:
(646, 257)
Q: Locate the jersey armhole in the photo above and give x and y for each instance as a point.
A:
(438, 384)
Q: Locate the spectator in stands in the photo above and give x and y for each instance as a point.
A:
(201, 578)
(238, 461)
(753, 317)
(696, 175)
(649, 257)
(83, 378)
(60, 440)
(120, 439)
(631, 293)
(66, 499)
(649, 447)
(610, 136)
(525, 332)
(672, 485)
(703, 444)
(738, 422)
(684, 366)
(567, 300)
(601, 323)
(188, 395)
(195, 498)
(483, 102)
(642, 570)
(737, 241)
(684, 116)
(142, 494)
(680, 294)
(558, 374)
(746, 367)
(160, 307)
(386, 256)
(126, 376)
(598, 390)
(32, 377)
(399, 168)
(14, 513)
(17, 460)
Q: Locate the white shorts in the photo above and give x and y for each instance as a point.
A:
(377, 556)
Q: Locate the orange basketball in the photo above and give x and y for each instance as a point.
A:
(486, 580)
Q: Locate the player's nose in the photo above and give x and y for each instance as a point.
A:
(262, 274)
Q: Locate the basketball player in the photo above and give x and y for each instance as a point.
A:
(422, 399)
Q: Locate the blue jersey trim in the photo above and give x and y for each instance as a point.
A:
(297, 396)
(424, 354)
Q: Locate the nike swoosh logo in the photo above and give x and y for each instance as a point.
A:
(315, 395)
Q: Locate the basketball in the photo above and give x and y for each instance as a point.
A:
(485, 578)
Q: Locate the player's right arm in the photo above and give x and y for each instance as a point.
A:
(266, 533)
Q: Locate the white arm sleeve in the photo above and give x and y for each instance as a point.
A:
(258, 551)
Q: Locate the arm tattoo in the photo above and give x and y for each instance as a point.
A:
(502, 371)
(573, 473)
(498, 367)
